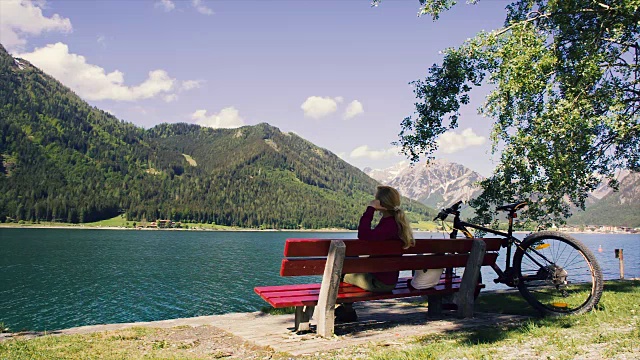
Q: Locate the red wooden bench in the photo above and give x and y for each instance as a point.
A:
(331, 258)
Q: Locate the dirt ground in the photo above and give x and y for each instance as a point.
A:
(209, 342)
(383, 325)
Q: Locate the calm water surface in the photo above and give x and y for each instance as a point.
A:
(58, 278)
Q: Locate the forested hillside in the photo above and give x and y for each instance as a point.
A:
(64, 160)
(617, 208)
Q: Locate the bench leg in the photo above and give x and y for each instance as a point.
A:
(435, 306)
(303, 316)
(329, 289)
(465, 297)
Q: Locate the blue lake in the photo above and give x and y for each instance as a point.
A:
(57, 278)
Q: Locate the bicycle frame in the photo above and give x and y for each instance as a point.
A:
(540, 274)
(507, 276)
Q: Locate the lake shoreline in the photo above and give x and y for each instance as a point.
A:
(82, 227)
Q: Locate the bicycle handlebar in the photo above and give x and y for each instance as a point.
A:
(450, 210)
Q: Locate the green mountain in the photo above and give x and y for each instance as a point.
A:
(64, 160)
(615, 208)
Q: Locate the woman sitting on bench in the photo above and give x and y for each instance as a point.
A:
(392, 226)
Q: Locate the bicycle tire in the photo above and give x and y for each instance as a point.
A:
(568, 282)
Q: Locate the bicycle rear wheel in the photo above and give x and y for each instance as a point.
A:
(557, 274)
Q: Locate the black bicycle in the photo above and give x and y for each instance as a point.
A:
(556, 273)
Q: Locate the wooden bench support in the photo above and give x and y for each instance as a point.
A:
(329, 288)
(465, 297)
(303, 315)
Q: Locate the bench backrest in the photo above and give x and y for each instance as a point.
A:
(308, 256)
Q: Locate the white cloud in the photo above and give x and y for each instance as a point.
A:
(185, 86)
(170, 98)
(364, 152)
(202, 9)
(451, 142)
(91, 81)
(353, 109)
(166, 5)
(191, 84)
(228, 117)
(317, 107)
(102, 41)
(339, 99)
(19, 19)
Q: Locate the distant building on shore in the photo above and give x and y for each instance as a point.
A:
(602, 229)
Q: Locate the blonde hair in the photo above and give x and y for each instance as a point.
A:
(390, 199)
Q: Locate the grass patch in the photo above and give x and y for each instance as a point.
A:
(135, 343)
(4, 328)
(117, 221)
(205, 226)
(121, 221)
(281, 311)
(609, 331)
(190, 160)
(425, 226)
(504, 303)
(129, 343)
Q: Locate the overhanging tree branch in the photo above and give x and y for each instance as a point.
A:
(565, 91)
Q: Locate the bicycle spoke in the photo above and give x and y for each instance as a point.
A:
(555, 274)
(559, 256)
(577, 259)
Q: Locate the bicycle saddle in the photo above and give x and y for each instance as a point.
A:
(512, 207)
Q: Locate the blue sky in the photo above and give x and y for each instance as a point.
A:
(334, 72)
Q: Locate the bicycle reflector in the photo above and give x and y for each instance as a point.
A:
(560, 304)
(542, 246)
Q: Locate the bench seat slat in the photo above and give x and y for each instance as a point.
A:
(261, 289)
(298, 267)
(276, 294)
(346, 287)
(354, 247)
(313, 289)
(312, 300)
(291, 295)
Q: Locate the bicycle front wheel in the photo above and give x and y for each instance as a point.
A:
(557, 274)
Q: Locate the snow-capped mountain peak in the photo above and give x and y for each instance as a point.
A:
(437, 184)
